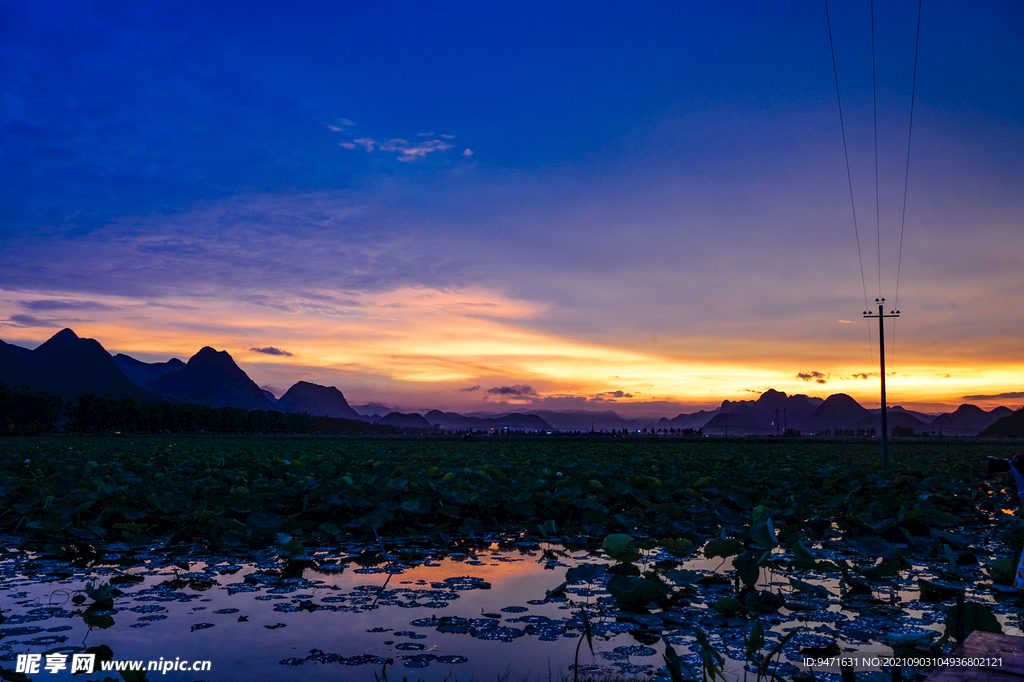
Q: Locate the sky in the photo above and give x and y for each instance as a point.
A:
(482, 207)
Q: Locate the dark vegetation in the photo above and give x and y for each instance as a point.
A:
(244, 491)
(821, 513)
(23, 411)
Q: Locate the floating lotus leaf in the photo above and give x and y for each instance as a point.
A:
(584, 573)
(874, 546)
(632, 591)
(618, 546)
(763, 601)
(810, 589)
(722, 547)
(684, 576)
(727, 605)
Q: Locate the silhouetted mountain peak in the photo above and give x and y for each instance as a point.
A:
(772, 396)
(221, 359)
(70, 366)
(840, 401)
(57, 345)
(213, 356)
(65, 335)
(317, 400)
(212, 378)
(401, 420)
(144, 373)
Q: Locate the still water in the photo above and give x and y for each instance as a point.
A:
(492, 609)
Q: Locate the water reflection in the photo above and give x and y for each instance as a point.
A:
(478, 610)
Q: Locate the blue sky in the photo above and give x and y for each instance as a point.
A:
(664, 180)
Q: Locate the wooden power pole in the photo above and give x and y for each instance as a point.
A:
(881, 355)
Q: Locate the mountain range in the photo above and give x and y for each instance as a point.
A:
(70, 366)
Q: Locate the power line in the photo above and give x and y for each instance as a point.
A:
(849, 180)
(910, 132)
(906, 175)
(846, 154)
(874, 106)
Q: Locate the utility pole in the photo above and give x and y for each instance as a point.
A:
(881, 356)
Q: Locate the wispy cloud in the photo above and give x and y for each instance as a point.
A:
(817, 377)
(411, 152)
(30, 321)
(341, 125)
(470, 389)
(270, 350)
(407, 151)
(997, 396)
(62, 304)
(514, 390)
(610, 396)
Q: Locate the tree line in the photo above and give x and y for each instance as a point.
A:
(27, 412)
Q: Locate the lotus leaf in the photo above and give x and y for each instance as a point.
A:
(809, 588)
(722, 548)
(976, 617)
(763, 533)
(747, 567)
(584, 573)
(632, 591)
(618, 546)
(763, 601)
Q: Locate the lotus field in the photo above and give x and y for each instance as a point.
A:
(517, 558)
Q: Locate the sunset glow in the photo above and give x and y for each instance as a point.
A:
(650, 215)
(427, 347)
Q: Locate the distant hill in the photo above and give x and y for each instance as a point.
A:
(374, 410)
(405, 421)
(967, 420)
(212, 378)
(839, 411)
(923, 417)
(732, 424)
(143, 373)
(68, 366)
(14, 351)
(585, 420)
(321, 401)
(773, 412)
(694, 420)
(11, 359)
(1010, 426)
(902, 419)
(459, 422)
